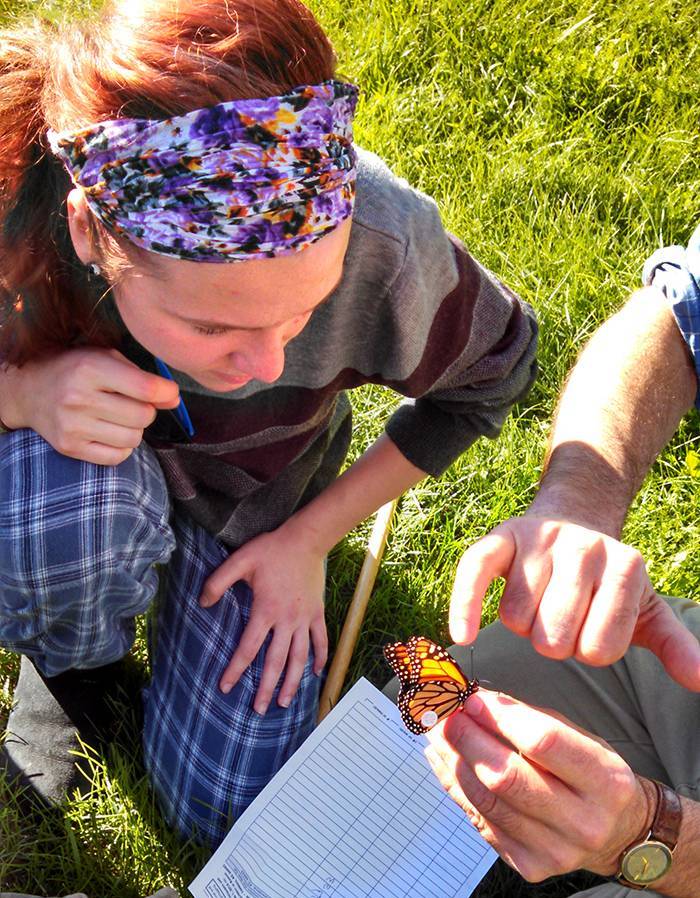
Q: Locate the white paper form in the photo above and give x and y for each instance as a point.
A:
(355, 813)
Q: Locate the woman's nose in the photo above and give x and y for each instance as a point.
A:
(263, 358)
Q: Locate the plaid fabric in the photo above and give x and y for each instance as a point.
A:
(676, 271)
(210, 754)
(78, 545)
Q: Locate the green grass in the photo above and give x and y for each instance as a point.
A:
(561, 141)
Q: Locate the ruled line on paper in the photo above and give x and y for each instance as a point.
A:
(356, 813)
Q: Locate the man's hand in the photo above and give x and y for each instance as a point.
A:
(574, 592)
(288, 583)
(549, 797)
(89, 404)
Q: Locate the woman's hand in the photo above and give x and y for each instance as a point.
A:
(549, 797)
(574, 592)
(89, 404)
(288, 581)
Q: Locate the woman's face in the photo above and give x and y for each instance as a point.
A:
(222, 324)
(225, 324)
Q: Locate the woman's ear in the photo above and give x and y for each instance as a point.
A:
(78, 224)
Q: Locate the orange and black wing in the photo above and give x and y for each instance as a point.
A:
(400, 658)
(431, 662)
(424, 704)
(432, 683)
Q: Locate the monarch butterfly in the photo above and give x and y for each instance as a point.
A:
(432, 683)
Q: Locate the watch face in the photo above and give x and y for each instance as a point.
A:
(646, 862)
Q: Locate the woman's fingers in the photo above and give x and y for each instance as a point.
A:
(319, 641)
(99, 454)
(232, 570)
(115, 435)
(251, 641)
(276, 657)
(296, 662)
(116, 408)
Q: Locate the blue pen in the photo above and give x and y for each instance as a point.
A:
(180, 413)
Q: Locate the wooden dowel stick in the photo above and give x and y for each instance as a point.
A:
(356, 609)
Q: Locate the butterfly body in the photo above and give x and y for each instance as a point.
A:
(433, 685)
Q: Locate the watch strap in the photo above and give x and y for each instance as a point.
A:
(666, 825)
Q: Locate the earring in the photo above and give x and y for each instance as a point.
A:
(95, 269)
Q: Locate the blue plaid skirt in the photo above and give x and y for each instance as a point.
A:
(79, 545)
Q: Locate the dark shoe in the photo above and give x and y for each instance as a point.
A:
(48, 715)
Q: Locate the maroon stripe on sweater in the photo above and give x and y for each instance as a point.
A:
(450, 330)
(220, 420)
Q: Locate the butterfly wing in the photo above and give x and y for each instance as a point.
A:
(401, 659)
(431, 662)
(423, 704)
(431, 681)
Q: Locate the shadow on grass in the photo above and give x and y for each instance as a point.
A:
(108, 842)
(113, 841)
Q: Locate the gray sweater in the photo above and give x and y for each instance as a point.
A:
(415, 312)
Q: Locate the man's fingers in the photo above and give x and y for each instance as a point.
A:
(459, 781)
(530, 846)
(612, 615)
(607, 631)
(511, 794)
(578, 762)
(487, 559)
(564, 603)
(660, 631)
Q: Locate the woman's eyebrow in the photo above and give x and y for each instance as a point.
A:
(223, 325)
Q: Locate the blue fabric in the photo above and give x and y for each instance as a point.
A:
(78, 545)
(210, 754)
(675, 270)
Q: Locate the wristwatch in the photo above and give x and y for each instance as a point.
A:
(644, 862)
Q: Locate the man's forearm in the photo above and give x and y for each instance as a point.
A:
(622, 403)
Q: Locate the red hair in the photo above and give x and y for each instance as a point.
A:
(155, 60)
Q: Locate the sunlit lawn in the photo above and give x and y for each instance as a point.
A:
(561, 142)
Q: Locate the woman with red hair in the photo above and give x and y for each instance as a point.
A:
(197, 264)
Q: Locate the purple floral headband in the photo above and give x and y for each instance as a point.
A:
(241, 180)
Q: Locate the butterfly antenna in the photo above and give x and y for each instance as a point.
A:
(471, 653)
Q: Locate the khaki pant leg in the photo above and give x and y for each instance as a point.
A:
(634, 705)
(613, 890)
